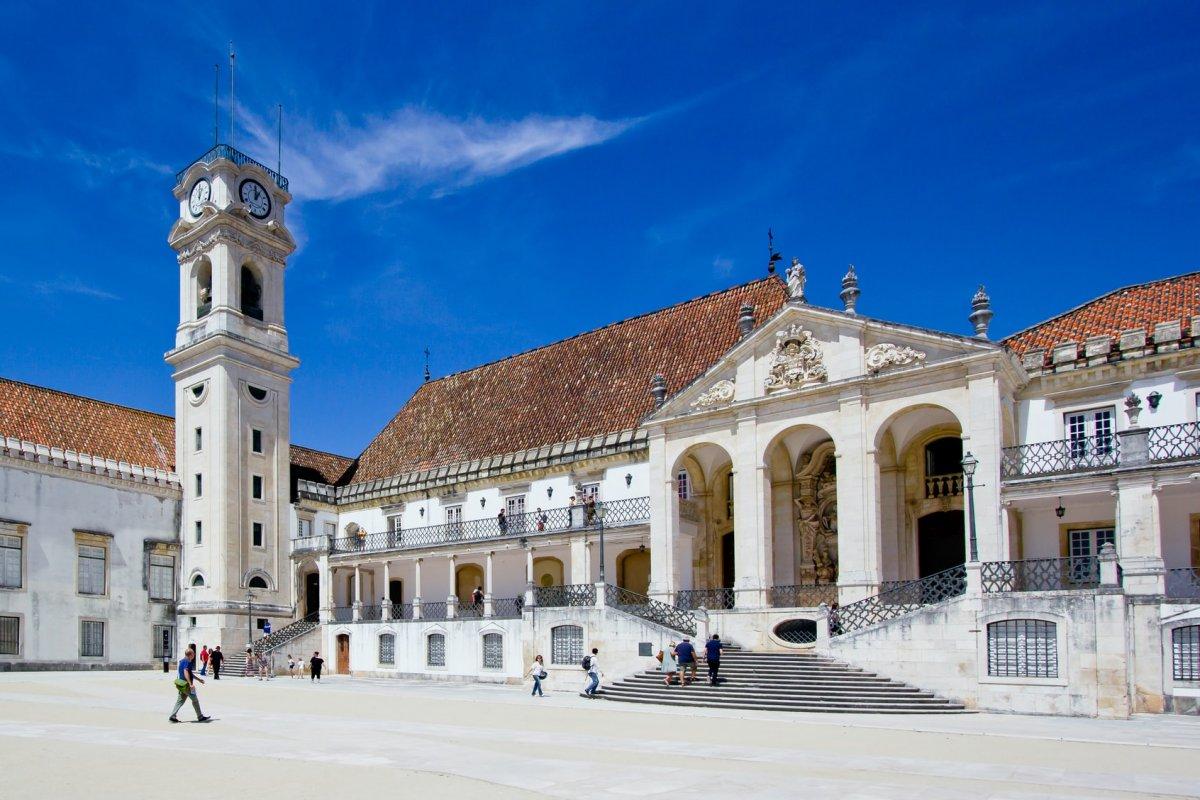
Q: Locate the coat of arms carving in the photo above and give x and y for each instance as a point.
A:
(797, 360)
(719, 393)
(882, 356)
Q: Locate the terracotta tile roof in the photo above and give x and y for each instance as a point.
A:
(594, 383)
(59, 419)
(1141, 306)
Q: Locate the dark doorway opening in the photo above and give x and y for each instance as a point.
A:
(941, 543)
(312, 593)
(727, 562)
(396, 592)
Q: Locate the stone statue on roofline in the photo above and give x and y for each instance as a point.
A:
(795, 281)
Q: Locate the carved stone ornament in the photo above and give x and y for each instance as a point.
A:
(797, 360)
(719, 394)
(882, 356)
(231, 237)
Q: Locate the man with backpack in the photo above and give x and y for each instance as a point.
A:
(591, 665)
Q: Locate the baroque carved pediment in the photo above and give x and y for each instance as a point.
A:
(885, 355)
(798, 360)
(203, 245)
(719, 394)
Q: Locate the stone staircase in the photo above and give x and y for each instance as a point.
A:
(783, 682)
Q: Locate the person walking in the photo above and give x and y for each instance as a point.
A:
(712, 655)
(667, 664)
(185, 687)
(314, 665)
(593, 671)
(477, 599)
(215, 658)
(291, 666)
(537, 671)
(686, 654)
(204, 660)
(251, 664)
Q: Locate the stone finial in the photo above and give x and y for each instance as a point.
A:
(658, 388)
(1133, 408)
(795, 282)
(850, 290)
(746, 320)
(981, 312)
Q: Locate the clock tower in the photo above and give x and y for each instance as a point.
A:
(232, 380)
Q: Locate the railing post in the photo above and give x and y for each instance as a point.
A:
(1134, 446)
(601, 598)
(823, 627)
(416, 608)
(385, 610)
(1109, 574)
(974, 578)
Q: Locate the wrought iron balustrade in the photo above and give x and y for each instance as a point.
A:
(803, 595)
(797, 631)
(1174, 442)
(575, 594)
(649, 609)
(292, 630)
(469, 610)
(433, 609)
(402, 612)
(950, 485)
(630, 511)
(343, 614)
(712, 599)
(507, 607)
(1060, 457)
(1040, 574)
(370, 614)
(899, 600)
(237, 157)
(1183, 584)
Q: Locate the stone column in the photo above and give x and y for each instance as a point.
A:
(664, 521)
(579, 566)
(858, 557)
(385, 612)
(416, 589)
(751, 517)
(982, 438)
(488, 607)
(1139, 536)
(357, 606)
(530, 594)
(452, 598)
(326, 580)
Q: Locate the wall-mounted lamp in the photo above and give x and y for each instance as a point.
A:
(628, 478)
(641, 548)
(1060, 512)
(422, 512)
(549, 491)
(482, 502)
(1155, 398)
(524, 541)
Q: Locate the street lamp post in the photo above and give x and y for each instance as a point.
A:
(601, 513)
(969, 463)
(249, 619)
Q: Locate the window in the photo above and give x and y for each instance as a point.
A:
(257, 534)
(251, 293)
(91, 638)
(453, 515)
(10, 636)
(256, 487)
(1185, 653)
(10, 562)
(162, 577)
(566, 644)
(1096, 423)
(1082, 547)
(199, 532)
(303, 527)
(589, 491)
(944, 456)
(1022, 648)
(493, 651)
(199, 485)
(199, 440)
(514, 512)
(683, 485)
(257, 393)
(331, 529)
(729, 496)
(197, 580)
(91, 569)
(164, 641)
(435, 650)
(387, 649)
(395, 523)
(255, 441)
(258, 582)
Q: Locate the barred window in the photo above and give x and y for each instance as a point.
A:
(162, 577)
(303, 528)
(566, 644)
(10, 562)
(493, 651)
(1022, 648)
(387, 649)
(91, 569)
(10, 636)
(91, 638)
(1185, 653)
(435, 650)
(164, 641)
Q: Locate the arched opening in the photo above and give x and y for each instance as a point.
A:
(251, 293)
(547, 571)
(466, 579)
(633, 570)
(312, 593)
(197, 580)
(257, 582)
(203, 288)
(705, 547)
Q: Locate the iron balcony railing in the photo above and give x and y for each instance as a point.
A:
(370, 614)
(631, 511)
(1183, 584)
(950, 485)
(575, 594)
(803, 595)
(402, 612)
(692, 599)
(1060, 457)
(649, 609)
(433, 609)
(507, 607)
(343, 614)
(469, 610)
(1040, 574)
(237, 157)
(1174, 442)
(899, 600)
(287, 633)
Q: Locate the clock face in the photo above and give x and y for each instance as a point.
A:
(200, 194)
(257, 201)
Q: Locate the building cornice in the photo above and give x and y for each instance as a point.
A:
(23, 454)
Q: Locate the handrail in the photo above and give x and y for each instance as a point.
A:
(899, 600)
(1174, 442)
(575, 594)
(1060, 456)
(1183, 584)
(649, 609)
(1040, 574)
(237, 157)
(293, 630)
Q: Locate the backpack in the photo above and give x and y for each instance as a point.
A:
(587, 663)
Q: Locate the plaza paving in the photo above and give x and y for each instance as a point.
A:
(104, 735)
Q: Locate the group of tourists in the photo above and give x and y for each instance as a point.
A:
(591, 669)
(187, 676)
(678, 661)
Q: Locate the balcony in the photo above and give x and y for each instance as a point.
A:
(950, 485)
(237, 157)
(1163, 445)
(618, 513)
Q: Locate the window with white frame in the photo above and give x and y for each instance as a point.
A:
(1022, 648)
(435, 650)
(1185, 653)
(10, 636)
(395, 523)
(387, 649)
(1083, 545)
(590, 491)
(331, 529)
(164, 641)
(566, 644)
(514, 512)
(91, 569)
(303, 527)
(10, 562)
(683, 485)
(1090, 432)
(453, 515)
(91, 638)
(493, 651)
(162, 577)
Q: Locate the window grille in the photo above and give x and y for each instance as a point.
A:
(10, 636)
(566, 644)
(493, 651)
(435, 650)
(304, 528)
(1185, 653)
(1098, 424)
(1023, 648)
(683, 483)
(387, 649)
(162, 577)
(164, 641)
(91, 638)
(91, 570)
(10, 562)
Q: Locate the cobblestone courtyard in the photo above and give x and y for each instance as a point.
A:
(104, 735)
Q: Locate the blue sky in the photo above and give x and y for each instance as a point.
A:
(483, 178)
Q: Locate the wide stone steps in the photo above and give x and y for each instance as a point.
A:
(783, 682)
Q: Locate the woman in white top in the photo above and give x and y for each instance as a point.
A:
(538, 671)
(669, 664)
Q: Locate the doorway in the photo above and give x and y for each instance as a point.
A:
(633, 570)
(396, 592)
(727, 561)
(941, 543)
(343, 654)
(312, 593)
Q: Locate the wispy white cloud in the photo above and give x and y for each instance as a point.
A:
(415, 147)
(722, 266)
(70, 285)
(113, 162)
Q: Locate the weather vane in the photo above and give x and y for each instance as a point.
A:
(771, 252)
